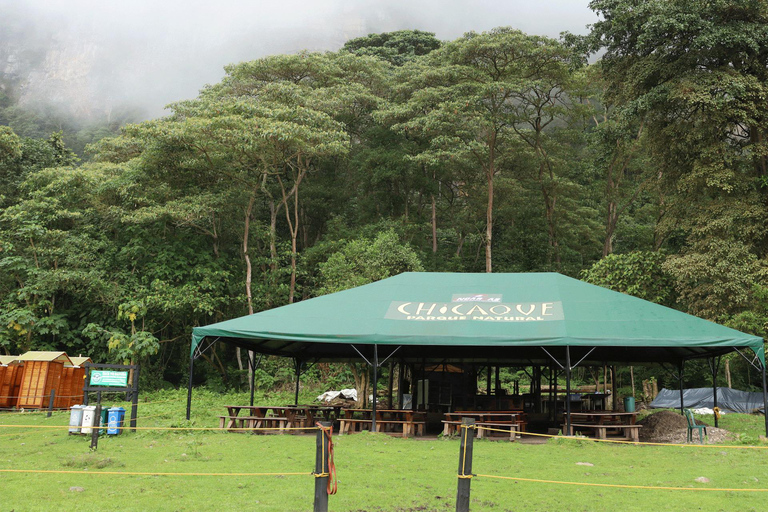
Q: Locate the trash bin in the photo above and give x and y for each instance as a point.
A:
(115, 420)
(103, 420)
(75, 419)
(89, 411)
(629, 404)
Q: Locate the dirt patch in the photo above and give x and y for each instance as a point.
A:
(671, 427)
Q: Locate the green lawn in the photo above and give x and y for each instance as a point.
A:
(375, 471)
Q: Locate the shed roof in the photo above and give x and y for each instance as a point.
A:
(44, 356)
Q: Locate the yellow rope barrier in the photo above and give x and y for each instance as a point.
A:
(149, 473)
(621, 486)
(635, 443)
(126, 427)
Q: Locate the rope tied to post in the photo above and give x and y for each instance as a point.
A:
(332, 481)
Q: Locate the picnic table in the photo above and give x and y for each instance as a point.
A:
(600, 423)
(512, 421)
(279, 417)
(406, 421)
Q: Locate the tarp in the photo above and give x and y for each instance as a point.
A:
(464, 317)
(728, 400)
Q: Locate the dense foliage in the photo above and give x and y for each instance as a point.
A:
(499, 151)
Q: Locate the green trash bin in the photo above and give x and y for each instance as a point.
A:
(629, 404)
(103, 422)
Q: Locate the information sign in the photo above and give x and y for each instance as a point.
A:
(109, 378)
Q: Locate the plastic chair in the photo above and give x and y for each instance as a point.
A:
(692, 425)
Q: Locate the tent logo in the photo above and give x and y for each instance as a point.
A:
(477, 297)
(472, 310)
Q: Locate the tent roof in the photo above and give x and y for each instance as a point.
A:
(481, 318)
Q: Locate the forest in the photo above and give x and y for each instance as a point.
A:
(633, 158)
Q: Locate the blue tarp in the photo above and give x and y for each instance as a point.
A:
(728, 400)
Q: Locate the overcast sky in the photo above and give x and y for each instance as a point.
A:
(154, 52)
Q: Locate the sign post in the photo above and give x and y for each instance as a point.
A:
(113, 378)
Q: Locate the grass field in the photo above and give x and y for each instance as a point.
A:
(375, 472)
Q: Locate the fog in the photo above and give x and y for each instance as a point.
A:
(150, 53)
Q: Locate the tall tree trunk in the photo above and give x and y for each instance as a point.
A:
(248, 278)
(362, 376)
(728, 373)
(632, 378)
(434, 225)
(490, 171)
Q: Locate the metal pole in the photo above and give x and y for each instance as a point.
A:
(465, 464)
(189, 385)
(135, 398)
(252, 365)
(568, 390)
(714, 365)
(375, 378)
(322, 469)
(765, 401)
(680, 377)
(298, 375)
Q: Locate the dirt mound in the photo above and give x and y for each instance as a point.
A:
(672, 427)
(661, 424)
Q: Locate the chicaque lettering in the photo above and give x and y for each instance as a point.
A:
(499, 312)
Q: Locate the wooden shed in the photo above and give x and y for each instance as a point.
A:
(10, 380)
(42, 373)
(70, 390)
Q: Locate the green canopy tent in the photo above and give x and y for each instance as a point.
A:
(504, 319)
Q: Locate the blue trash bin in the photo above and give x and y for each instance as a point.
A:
(75, 418)
(115, 420)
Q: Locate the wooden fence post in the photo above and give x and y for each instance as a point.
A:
(322, 468)
(95, 431)
(50, 402)
(465, 464)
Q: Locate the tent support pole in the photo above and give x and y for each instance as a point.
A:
(568, 390)
(680, 370)
(765, 401)
(298, 375)
(189, 386)
(714, 365)
(252, 366)
(375, 378)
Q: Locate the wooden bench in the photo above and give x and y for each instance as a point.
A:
(418, 426)
(268, 422)
(631, 432)
(347, 425)
(237, 422)
(450, 427)
(353, 424)
(507, 426)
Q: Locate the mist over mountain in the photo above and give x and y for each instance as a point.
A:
(94, 59)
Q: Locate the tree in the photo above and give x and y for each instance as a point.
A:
(695, 74)
(360, 262)
(640, 274)
(397, 48)
(478, 98)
